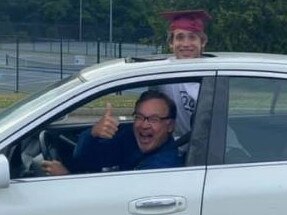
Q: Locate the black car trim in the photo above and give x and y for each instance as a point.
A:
(219, 122)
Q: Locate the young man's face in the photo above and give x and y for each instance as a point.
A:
(186, 44)
(152, 125)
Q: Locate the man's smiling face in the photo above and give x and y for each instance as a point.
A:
(186, 44)
(152, 125)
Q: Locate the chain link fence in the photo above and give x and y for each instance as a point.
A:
(29, 65)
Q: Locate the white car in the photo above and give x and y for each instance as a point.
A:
(243, 95)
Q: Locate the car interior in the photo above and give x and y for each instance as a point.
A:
(264, 137)
(258, 116)
(57, 139)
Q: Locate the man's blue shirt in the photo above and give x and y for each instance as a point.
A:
(93, 154)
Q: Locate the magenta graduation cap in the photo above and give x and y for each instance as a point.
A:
(190, 20)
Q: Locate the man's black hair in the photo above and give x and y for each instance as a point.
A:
(154, 94)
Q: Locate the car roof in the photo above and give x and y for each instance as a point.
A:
(168, 63)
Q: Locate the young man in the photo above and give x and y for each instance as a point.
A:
(147, 144)
(186, 32)
(187, 39)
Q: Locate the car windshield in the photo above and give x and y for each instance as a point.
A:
(36, 100)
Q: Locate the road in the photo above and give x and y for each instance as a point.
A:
(39, 63)
(30, 79)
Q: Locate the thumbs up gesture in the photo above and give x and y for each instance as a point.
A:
(107, 126)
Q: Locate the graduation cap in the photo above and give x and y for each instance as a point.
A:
(190, 20)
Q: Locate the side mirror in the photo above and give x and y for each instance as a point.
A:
(4, 172)
(62, 118)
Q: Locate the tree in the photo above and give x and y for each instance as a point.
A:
(245, 25)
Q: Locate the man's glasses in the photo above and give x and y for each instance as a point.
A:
(149, 119)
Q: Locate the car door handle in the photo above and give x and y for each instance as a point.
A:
(157, 205)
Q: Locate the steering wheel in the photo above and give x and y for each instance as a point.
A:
(47, 146)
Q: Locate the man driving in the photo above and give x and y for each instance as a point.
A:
(146, 144)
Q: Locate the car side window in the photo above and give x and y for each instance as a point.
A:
(257, 116)
(58, 140)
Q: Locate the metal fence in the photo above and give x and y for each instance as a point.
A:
(27, 66)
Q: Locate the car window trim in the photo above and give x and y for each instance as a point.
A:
(200, 129)
(218, 131)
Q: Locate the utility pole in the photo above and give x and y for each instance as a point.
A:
(111, 28)
(81, 21)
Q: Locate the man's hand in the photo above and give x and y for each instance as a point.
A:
(54, 167)
(107, 126)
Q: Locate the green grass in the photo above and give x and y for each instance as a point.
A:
(117, 101)
(239, 102)
(8, 99)
(256, 103)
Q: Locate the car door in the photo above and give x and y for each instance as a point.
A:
(255, 108)
(160, 191)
